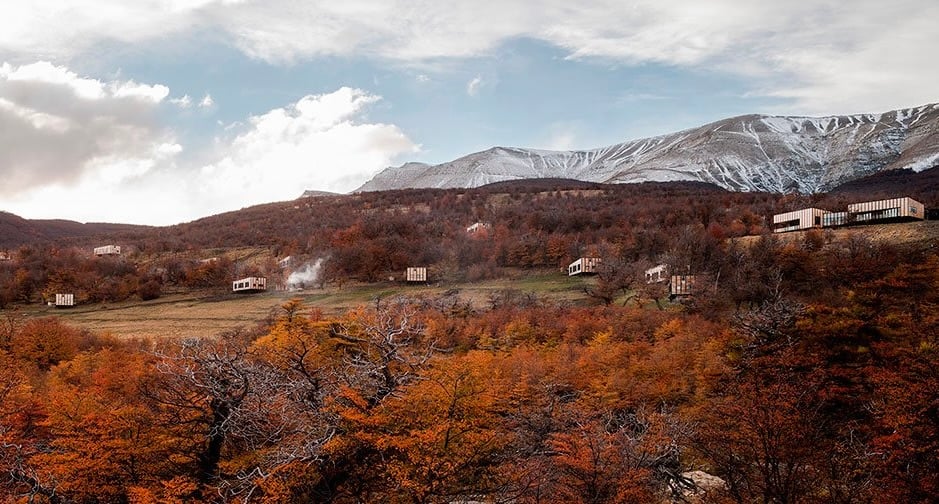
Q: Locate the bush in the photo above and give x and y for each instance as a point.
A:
(149, 290)
(45, 342)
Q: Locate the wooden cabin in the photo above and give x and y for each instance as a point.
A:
(584, 265)
(657, 274)
(797, 220)
(681, 286)
(416, 274)
(64, 300)
(249, 284)
(478, 227)
(108, 250)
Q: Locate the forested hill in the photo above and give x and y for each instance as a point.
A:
(15, 230)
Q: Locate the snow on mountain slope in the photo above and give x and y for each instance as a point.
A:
(746, 153)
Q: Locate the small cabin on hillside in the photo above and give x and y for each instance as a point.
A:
(416, 274)
(584, 265)
(657, 274)
(108, 250)
(680, 286)
(6, 256)
(64, 300)
(479, 227)
(249, 284)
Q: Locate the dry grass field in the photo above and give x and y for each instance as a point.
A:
(206, 313)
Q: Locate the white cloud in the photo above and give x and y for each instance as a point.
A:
(319, 142)
(59, 127)
(184, 102)
(137, 173)
(633, 97)
(825, 56)
(565, 136)
(206, 101)
(86, 149)
(472, 87)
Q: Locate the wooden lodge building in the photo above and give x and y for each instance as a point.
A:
(870, 212)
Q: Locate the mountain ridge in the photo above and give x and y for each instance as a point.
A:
(753, 152)
(16, 230)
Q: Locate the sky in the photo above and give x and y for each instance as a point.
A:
(164, 111)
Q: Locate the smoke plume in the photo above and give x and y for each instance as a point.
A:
(306, 275)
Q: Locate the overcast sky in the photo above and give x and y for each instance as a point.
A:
(164, 111)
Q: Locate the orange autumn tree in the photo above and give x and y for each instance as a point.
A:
(619, 457)
(231, 409)
(442, 438)
(19, 475)
(44, 342)
(104, 437)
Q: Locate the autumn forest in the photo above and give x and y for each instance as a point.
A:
(803, 370)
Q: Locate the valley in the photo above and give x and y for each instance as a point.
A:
(209, 313)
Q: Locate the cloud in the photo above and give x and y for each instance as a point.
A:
(319, 142)
(821, 57)
(207, 101)
(564, 136)
(632, 97)
(58, 30)
(92, 146)
(59, 127)
(93, 156)
(184, 102)
(472, 87)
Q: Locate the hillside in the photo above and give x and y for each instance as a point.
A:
(15, 230)
(748, 153)
(206, 312)
(503, 379)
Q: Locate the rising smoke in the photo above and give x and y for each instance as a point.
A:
(306, 275)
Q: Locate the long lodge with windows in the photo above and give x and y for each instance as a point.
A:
(870, 212)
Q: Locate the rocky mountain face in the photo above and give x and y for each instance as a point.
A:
(746, 153)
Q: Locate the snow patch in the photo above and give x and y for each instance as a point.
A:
(923, 164)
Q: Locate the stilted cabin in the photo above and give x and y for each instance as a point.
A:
(64, 300)
(657, 274)
(885, 210)
(680, 286)
(796, 220)
(416, 274)
(108, 250)
(479, 227)
(249, 284)
(584, 265)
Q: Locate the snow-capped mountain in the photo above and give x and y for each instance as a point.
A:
(746, 153)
